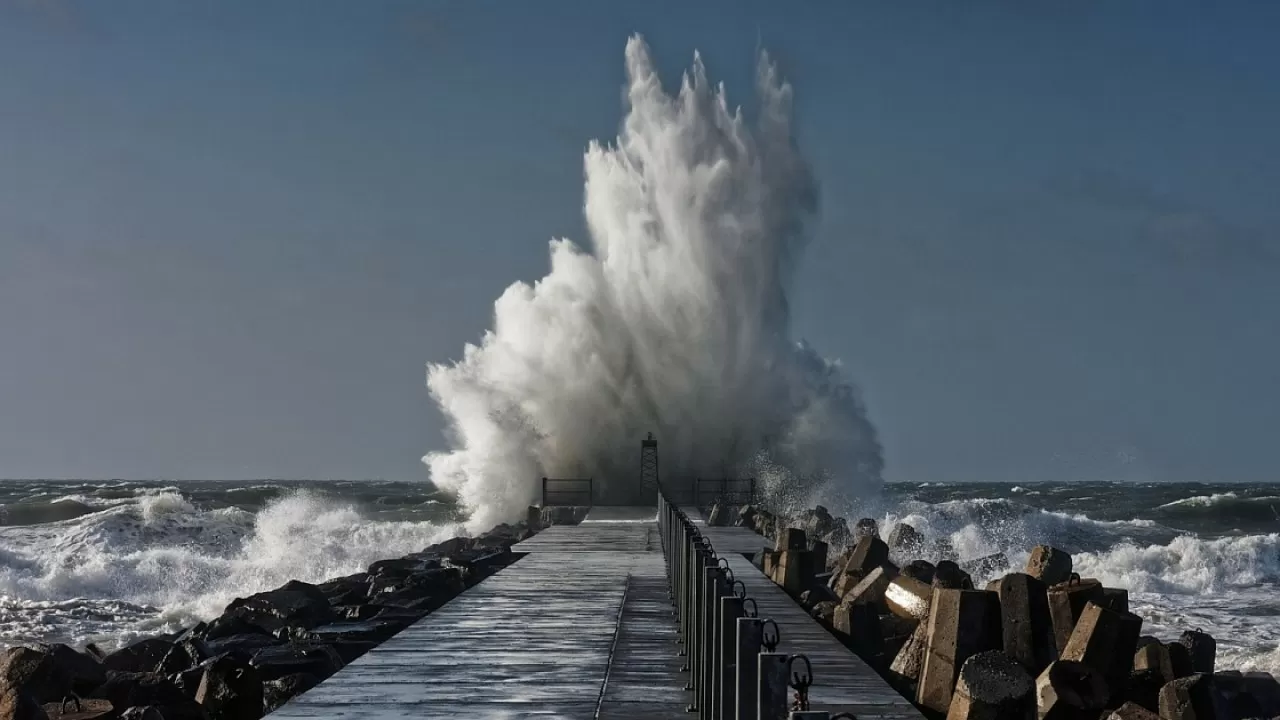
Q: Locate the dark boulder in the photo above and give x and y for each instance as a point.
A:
(921, 570)
(277, 692)
(127, 689)
(248, 643)
(905, 541)
(231, 689)
(33, 674)
(226, 626)
(300, 656)
(294, 605)
(18, 704)
(948, 576)
(185, 654)
(84, 671)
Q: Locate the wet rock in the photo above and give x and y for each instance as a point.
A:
(295, 604)
(1066, 602)
(1266, 690)
(962, 623)
(79, 709)
(230, 690)
(1203, 649)
(142, 656)
(277, 692)
(33, 674)
(921, 570)
(847, 581)
(247, 643)
(1193, 698)
(186, 711)
(183, 655)
(1049, 565)
(824, 611)
(1068, 690)
(793, 571)
(719, 516)
(905, 541)
(18, 704)
(297, 657)
(1026, 627)
(84, 671)
(228, 626)
(817, 557)
(1240, 699)
(395, 567)
(948, 576)
(1132, 711)
(869, 553)
(127, 689)
(992, 686)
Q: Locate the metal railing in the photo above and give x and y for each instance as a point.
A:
(567, 491)
(735, 491)
(729, 650)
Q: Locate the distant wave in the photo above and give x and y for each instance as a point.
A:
(158, 562)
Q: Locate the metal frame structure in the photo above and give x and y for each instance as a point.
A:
(735, 491)
(581, 492)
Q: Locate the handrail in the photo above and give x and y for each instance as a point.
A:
(736, 491)
(734, 673)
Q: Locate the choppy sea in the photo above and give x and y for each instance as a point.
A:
(112, 561)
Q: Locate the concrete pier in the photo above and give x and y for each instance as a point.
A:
(580, 627)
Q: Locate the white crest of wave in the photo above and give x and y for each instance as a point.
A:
(676, 322)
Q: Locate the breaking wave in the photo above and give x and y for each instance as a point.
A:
(677, 321)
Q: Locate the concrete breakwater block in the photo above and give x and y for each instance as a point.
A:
(859, 627)
(871, 589)
(904, 671)
(908, 597)
(993, 686)
(1154, 656)
(962, 623)
(1203, 649)
(1105, 640)
(948, 575)
(1066, 601)
(1026, 627)
(790, 538)
(1068, 690)
(905, 540)
(1193, 698)
(1049, 565)
(1132, 711)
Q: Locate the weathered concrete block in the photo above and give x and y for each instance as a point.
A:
(1240, 698)
(869, 553)
(1025, 624)
(790, 539)
(907, 597)
(962, 623)
(1068, 690)
(1193, 698)
(892, 626)
(904, 672)
(858, 626)
(905, 540)
(987, 565)
(1115, 599)
(1155, 656)
(1142, 688)
(1180, 658)
(865, 528)
(1266, 690)
(817, 557)
(871, 590)
(770, 563)
(993, 686)
(792, 570)
(921, 570)
(1105, 640)
(1049, 565)
(948, 575)
(1132, 711)
(846, 581)
(1066, 601)
(1203, 649)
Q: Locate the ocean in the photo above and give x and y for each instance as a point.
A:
(110, 562)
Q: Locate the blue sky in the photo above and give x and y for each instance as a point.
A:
(233, 233)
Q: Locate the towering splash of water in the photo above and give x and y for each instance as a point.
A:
(676, 323)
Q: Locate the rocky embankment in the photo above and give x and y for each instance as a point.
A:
(1043, 642)
(263, 649)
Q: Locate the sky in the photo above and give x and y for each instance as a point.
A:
(233, 233)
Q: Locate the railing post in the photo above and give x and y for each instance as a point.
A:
(750, 638)
(713, 585)
(772, 687)
(726, 657)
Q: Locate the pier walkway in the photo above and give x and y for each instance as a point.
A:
(579, 628)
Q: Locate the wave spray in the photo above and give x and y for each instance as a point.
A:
(676, 322)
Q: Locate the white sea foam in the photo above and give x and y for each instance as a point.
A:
(158, 562)
(677, 321)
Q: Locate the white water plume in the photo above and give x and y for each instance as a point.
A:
(676, 323)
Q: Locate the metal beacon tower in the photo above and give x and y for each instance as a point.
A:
(649, 469)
